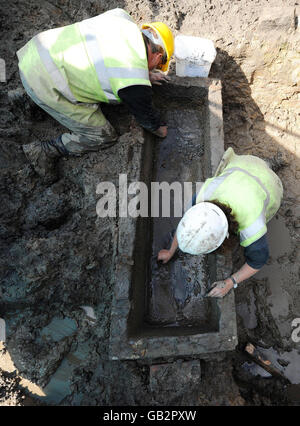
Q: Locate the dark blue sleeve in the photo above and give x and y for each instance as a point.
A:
(138, 99)
(194, 199)
(257, 253)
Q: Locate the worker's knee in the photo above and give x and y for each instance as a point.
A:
(90, 139)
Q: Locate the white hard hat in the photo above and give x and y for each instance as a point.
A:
(202, 229)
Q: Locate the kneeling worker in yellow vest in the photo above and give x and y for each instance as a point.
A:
(239, 200)
(69, 71)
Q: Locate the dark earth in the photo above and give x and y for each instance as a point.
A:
(56, 252)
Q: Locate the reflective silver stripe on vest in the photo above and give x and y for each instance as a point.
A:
(115, 72)
(105, 73)
(58, 79)
(93, 49)
(256, 226)
(260, 222)
(211, 188)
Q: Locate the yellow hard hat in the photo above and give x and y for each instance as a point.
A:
(167, 38)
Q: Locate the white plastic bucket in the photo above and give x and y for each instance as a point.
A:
(194, 56)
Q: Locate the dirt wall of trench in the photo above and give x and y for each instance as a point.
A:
(56, 253)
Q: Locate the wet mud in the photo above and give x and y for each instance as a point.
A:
(56, 255)
(176, 290)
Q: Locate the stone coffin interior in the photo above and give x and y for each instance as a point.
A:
(168, 299)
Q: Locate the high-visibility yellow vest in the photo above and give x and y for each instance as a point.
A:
(250, 188)
(89, 61)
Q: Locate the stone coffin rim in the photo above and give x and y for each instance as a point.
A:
(120, 345)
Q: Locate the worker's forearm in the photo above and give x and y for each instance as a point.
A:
(174, 245)
(242, 274)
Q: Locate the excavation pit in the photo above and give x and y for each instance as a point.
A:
(160, 310)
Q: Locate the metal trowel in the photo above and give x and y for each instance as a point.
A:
(208, 291)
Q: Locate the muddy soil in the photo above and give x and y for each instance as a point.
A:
(55, 263)
(175, 291)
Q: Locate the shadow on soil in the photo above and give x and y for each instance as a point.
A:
(56, 259)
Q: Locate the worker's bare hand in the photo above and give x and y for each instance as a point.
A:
(162, 131)
(220, 289)
(158, 78)
(164, 255)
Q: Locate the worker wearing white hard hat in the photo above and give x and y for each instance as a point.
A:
(202, 229)
(239, 200)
